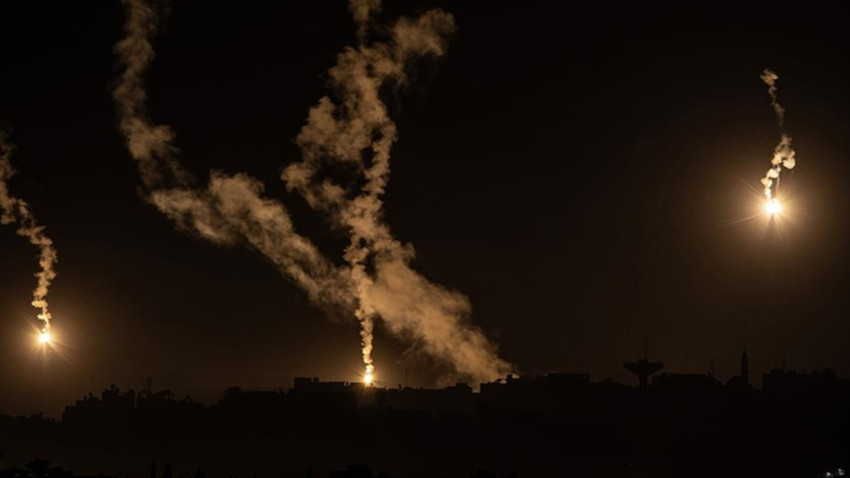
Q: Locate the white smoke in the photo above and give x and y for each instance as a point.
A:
(770, 77)
(359, 131)
(783, 154)
(377, 283)
(15, 210)
(230, 210)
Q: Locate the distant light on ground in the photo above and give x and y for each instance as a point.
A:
(368, 378)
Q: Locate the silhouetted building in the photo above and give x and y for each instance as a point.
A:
(642, 367)
(312, 393)
(816, 383)
(559, 424)
(314, 385)
(741, 382)
(685, 382)
(455, 399)
(551, 393)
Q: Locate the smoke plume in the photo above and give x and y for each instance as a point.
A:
(377, 281)
(14, 210)
(769, 77)
(231, 209)
(362, 11)
(783, 154)
(358, 131)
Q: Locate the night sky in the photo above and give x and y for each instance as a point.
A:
(582, 176)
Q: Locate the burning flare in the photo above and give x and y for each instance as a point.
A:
(44, 337)
(354, 129)
(14, 210)
(772, 207)
(783, 154)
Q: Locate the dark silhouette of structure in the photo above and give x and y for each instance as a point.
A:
(642, 367)
(556, 424)
(741, 381)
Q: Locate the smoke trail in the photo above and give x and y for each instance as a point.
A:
(362, 11)
(358, 131)
(783, 154)
(14, 210)
(231, 209)
(769, 77)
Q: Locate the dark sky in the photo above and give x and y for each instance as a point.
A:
(580, 176)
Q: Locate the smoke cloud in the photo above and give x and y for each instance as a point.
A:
(362, 11)
(358, 131)
(231, 209)
(769, 77)
(376, 282)
(14, 210)
(783, 154)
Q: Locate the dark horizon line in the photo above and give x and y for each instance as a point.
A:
(302, 384)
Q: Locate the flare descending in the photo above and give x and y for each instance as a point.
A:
(356, 132)
(772, 207)
(376, 281)
(14, 210)
(783, 154)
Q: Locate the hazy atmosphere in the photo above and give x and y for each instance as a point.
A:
(444, 191)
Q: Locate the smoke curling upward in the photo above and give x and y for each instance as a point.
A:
(357, 131)
(362, 11)
(783, 154)
(15, 210)
(769, 77)
(231, 210)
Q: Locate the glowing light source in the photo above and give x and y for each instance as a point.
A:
(44, 337)
(772, 207)
(368, 378)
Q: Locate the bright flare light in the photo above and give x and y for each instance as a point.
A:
(44, 337)
(368, 378)
(772, 207)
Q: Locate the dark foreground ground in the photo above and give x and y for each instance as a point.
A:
(558, 425)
